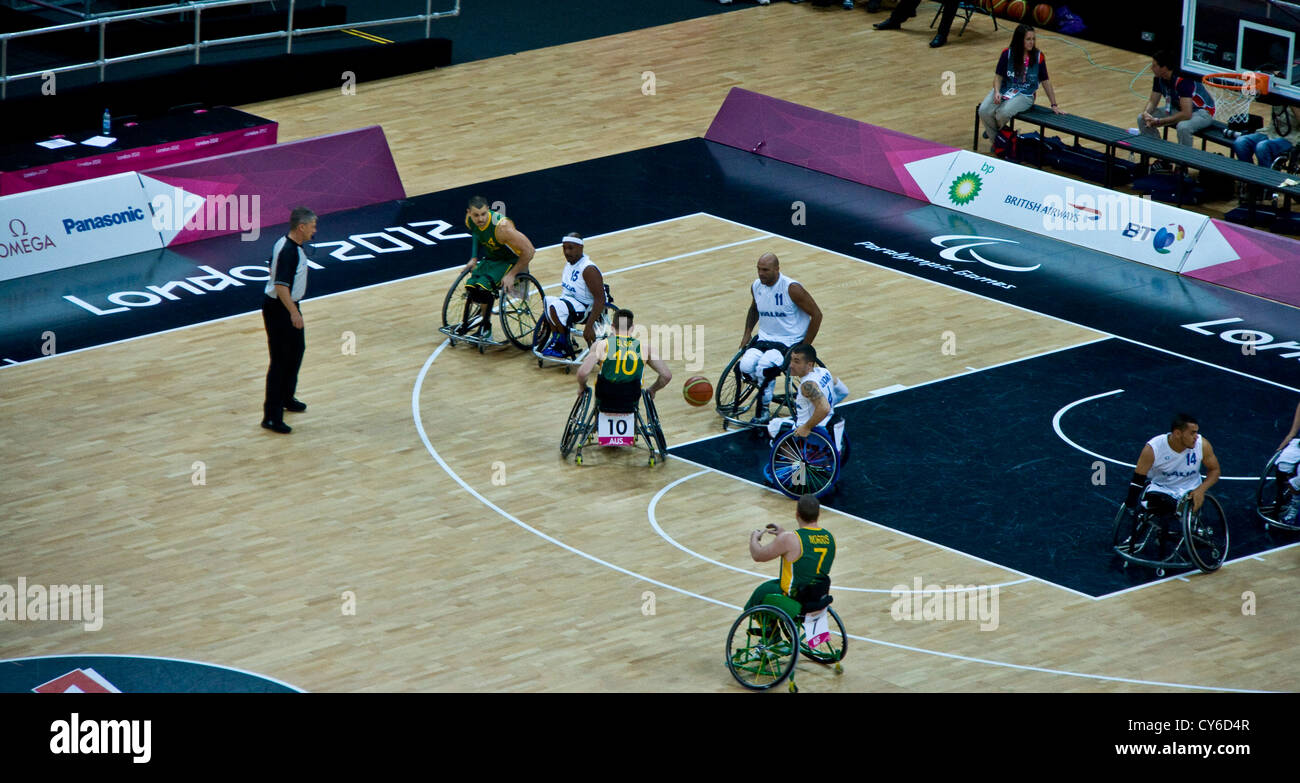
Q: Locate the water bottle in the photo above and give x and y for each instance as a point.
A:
(108, 123)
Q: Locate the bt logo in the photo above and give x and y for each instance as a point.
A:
(1161, 238)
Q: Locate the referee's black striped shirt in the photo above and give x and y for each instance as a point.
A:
(288, 268)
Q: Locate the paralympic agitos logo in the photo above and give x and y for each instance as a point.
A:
(952, 252)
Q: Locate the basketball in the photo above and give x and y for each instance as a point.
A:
(998, 6)
(697, 390)
(1043, 14)
(1016, 10)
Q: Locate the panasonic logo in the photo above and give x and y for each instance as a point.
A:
(103, 221)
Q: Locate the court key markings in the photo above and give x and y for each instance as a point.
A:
(433, 452)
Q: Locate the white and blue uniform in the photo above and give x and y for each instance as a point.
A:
(833, 390)
(1287, 461)
(1174, 473)
(577, 298)
(780, 321)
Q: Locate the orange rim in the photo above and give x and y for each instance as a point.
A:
(1237, 82)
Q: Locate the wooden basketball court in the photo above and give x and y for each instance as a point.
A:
(426, 481)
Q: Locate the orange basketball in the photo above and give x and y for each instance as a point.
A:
(697, 390)
(1016, 10)
(998, 7)
(1043, 14)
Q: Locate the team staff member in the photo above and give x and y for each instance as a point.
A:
(285, 337)
(1189, 109)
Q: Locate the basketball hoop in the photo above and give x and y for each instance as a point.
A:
(1233, 93)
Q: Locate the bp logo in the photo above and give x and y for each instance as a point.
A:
(1166, 236)
(965, 188)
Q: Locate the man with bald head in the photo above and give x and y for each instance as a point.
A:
(785, 314)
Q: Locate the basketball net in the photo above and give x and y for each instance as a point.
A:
(1233, 93)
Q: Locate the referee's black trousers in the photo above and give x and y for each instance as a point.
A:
(287, 346)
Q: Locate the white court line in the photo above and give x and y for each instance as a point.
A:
(654, 523)
(903, 533)
(1056, 425)
(322, 297)
(424, 438)
(1021, 308)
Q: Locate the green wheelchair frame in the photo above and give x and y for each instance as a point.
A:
(760, 652)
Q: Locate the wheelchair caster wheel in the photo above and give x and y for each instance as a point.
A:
(452, 341)
(838, 668)
(652, 462)
(567, 369)
(724, 425)
(577, 460)
(793, 688)
(1160, 572)
(480, 349)
(539, 364)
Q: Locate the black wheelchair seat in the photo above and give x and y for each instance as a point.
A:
(816, 595)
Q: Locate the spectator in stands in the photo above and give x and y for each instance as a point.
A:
(1273, 139)
(1021, 69)
(907, 9)
(1189, 108)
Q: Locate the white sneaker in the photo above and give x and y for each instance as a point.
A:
(724, 2)
(1291, 512)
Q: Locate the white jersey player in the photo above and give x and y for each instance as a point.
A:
(1173, 462)
(1287, 462)
(582, 299)
(785, 314)
(817, 392)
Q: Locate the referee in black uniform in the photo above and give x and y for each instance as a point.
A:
(284, 328)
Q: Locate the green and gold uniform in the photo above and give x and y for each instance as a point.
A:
(816, 554)
(494, 257)
(618, 387)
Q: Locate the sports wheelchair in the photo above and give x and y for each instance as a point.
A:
(1272, 497)
(764, 643)
(519, 311)
(805, 466)
(573, 358)
(1200, 539)
(588, 424)
(737, 394)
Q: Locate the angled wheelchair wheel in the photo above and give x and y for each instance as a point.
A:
(575, 429)
(1266, 504)
(453, 305)
(521, 309)
(833, 649)
(542, 334)
(762, 648)
(1205, 534)
(1121, 531)
(656, 438)
(734, 392)
(804, 466)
